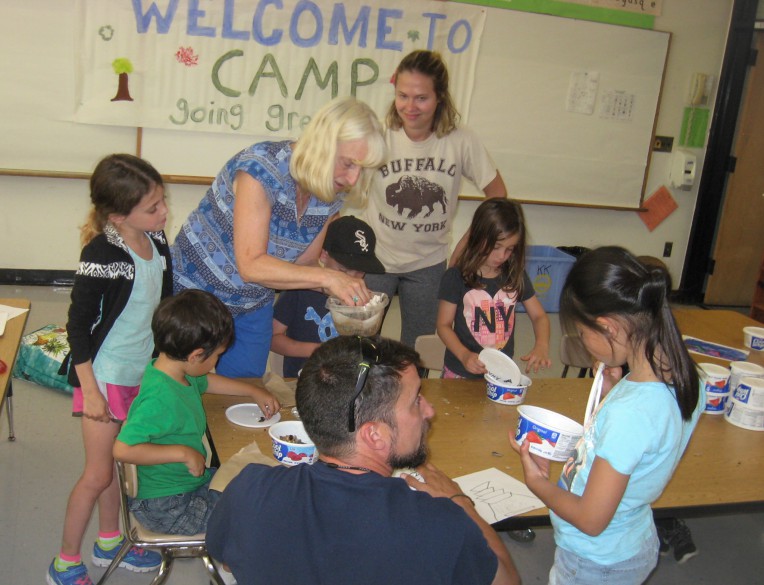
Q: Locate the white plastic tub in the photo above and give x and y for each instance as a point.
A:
(552, 435)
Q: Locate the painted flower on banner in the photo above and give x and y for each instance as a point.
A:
(106, 32)
(187, 56)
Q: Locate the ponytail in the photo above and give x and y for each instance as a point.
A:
(609, 281)
(117, 185)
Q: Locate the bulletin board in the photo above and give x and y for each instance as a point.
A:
(567, 108)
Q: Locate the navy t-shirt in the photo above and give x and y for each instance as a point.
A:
(306, 318)
(314, 524)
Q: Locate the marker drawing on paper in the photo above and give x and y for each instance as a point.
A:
(498, 496)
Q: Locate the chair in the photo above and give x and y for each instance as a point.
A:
(573, 353)
(170, 546)
(432, 351)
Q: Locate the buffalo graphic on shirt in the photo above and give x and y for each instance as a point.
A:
(415, 193)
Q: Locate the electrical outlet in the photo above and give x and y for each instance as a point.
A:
(667, 249)
(663, 143)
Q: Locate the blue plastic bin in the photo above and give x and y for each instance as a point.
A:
(547, 268)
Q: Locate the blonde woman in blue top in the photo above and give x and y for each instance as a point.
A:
(600, 507)
(261, 225)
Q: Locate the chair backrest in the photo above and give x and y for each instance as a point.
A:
(128, 478)
(573, 353)
(127, 475)
(432, 350)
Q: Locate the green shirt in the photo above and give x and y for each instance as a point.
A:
(167, 413)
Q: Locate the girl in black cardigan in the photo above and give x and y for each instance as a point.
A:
(124, 272)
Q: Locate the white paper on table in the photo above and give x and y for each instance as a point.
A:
(7, 313)
(498, 496)
(12, 311)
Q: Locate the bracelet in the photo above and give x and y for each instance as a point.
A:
(462, 496)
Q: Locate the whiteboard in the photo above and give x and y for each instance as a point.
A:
(528, 65)
(520, 107)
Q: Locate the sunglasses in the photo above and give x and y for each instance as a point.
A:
(369, 357)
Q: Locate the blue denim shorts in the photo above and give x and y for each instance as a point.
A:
(185, 514)
(570, 569)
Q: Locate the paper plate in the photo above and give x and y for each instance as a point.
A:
(500, 365)
(249, 415)
(3, 319)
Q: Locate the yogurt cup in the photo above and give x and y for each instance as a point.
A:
(741, 415)
(750, 391)
(552, 435)
(505, 392)
(716, 378)
(739, 370)
(291, 443)
(754, 338)
(716, 402)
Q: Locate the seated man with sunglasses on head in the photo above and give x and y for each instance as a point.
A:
(345, 520)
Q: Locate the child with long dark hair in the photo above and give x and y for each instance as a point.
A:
(600, 507)
(479, 295)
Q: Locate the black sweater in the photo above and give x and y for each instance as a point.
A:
(102, 286)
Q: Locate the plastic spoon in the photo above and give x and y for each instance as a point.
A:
(594, 394)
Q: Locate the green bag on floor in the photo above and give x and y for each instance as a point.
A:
(40, 356)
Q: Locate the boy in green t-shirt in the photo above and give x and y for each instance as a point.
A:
(166, 422)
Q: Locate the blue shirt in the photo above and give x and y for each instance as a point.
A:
(639, 431)
(203, 255)
(313, 524)
(304, 314)
(129, 344)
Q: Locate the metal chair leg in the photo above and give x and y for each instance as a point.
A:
(212, 570)
(123, 550)
(164, 569)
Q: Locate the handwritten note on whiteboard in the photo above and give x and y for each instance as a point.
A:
(498, 496)
(582, 91)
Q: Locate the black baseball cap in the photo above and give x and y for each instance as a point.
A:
(351, 242)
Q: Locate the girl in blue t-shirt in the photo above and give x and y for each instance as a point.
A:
(479, 294)
(600, 507)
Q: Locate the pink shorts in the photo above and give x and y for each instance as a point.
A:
(450, 374)
(119, 399)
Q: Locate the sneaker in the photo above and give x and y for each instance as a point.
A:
(138, 560)
(74, 575)
(678, 536)
(526, 535)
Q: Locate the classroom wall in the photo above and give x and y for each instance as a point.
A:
(39, 218)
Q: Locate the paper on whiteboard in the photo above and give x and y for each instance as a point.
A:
(582, 91)
(617, 105)
(498, 496)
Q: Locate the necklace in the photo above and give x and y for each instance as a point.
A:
(354, 468)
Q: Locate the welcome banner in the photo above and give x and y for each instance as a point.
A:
(260, 67)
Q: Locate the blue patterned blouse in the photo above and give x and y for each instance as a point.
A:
(202, 253)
